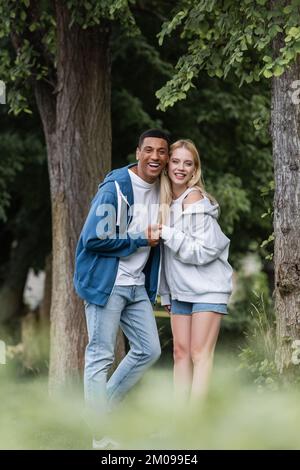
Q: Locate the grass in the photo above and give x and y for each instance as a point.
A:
(235, 416)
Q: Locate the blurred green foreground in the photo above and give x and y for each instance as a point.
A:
(236, 415)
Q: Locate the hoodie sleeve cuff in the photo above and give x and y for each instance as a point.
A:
(165, 299)
(141, 240)
(166, 232)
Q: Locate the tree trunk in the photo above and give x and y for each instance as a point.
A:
(285, 127)
(77, 125)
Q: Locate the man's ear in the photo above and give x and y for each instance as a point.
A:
(137, 153)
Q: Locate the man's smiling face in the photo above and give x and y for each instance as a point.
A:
(152, 158)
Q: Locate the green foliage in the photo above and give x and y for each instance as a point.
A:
(142, 50)
(228, 124)
(31, 55)
(250, 289)
(270, 239)
(258, 356)
(31, 356)
(28, 49)
(24, 190)
(214, 109)
(267, 245)
(230, 37)
(230, 128)
(92, 13)
(233, 197)
(16, 151)
(11, 162)
(263, 372)
(132, 112)
(266, 420)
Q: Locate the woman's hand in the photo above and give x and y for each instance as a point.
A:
(153, 234)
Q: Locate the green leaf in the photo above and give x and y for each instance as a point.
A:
(296, 47)
(267, 58)
(289, 55)
(278, 70)
(267, 73)
(33, 27)
(294, 32)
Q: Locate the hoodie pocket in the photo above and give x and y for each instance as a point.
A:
(89, 275)
(102, 274)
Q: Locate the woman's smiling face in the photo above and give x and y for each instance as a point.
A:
(181, 166)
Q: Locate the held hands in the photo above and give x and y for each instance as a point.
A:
(153, 234)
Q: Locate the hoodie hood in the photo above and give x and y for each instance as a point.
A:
(204, 206)
(120, 175)
(120, 180)
(199, 208)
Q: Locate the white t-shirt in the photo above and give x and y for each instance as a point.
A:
(145, 212)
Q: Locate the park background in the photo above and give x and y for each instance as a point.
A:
(83, 80)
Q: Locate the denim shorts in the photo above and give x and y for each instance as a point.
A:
(188, 308)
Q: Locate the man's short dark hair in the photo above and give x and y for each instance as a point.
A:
(154, 133)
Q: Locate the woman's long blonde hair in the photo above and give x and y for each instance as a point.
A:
(196, 180)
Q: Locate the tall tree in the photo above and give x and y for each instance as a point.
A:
(77, 128)
(62, 51)
(285, 128)
(255, 40)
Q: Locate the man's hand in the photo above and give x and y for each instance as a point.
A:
(167, 308)
(153, 233)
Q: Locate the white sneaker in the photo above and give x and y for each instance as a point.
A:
(105, 443)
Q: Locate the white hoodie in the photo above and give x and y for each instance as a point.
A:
(195, 264)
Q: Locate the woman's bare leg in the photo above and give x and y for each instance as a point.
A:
(181, 329)
(204, 335)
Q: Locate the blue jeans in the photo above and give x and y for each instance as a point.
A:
(128, 307)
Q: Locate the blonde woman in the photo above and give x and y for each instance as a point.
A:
(196, 278)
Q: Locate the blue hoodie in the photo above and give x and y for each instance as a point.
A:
(99, 250)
